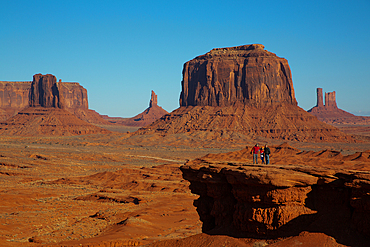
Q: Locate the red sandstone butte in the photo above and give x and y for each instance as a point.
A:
(246, 74)
(241, 92)
(46, 114)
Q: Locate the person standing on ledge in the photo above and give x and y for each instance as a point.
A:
(255, 150)
(267, 155)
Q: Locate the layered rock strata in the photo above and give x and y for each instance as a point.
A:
(45, 92)
(15, 96)
(47, 121)
(241, 199)
(245, 91)
(245, 74)
(46, 114)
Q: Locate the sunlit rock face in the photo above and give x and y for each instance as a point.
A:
(16, 95)
(241, 75)
(45, 92)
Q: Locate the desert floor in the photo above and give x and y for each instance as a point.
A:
(105, 190)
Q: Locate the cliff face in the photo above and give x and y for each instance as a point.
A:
(247, 75)
(15, 96)
(241, 199)
(47, 114)
(75, 95)
(45, 92)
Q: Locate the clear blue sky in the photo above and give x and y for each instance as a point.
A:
(121, 50)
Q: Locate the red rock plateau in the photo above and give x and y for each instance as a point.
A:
(241, 92)
(46, 114)
(152, 113)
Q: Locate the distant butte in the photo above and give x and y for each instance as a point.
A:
(331, 114)
(241, 92)
(46, 114)
(148, 116)
(15, 96)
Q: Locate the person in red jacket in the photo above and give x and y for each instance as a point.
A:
(255, 150)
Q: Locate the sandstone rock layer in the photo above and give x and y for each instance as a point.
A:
(45, 92)
(43, 121)
(245, 74)
(241, 199)
(286, 122)
(15, 96)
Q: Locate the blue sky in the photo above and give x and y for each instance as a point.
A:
(121, 50)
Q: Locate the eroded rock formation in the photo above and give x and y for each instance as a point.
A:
(245, 74)
(241, 199)
(148, 116)
(46, 114)
(331, 114)
(245, 91)
(153, 100)
(45, 92)
(15, 96)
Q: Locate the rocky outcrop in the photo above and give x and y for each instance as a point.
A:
(241, 199)
(47, 114)
(153, 100)
(247, 75)
(15, 96)
(151, 114)
(45, 92)
(242, 91)
(331, 114)
(75, 95)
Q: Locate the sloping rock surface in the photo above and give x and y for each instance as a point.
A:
(286, 122)
(151, 114)
(43, 121)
